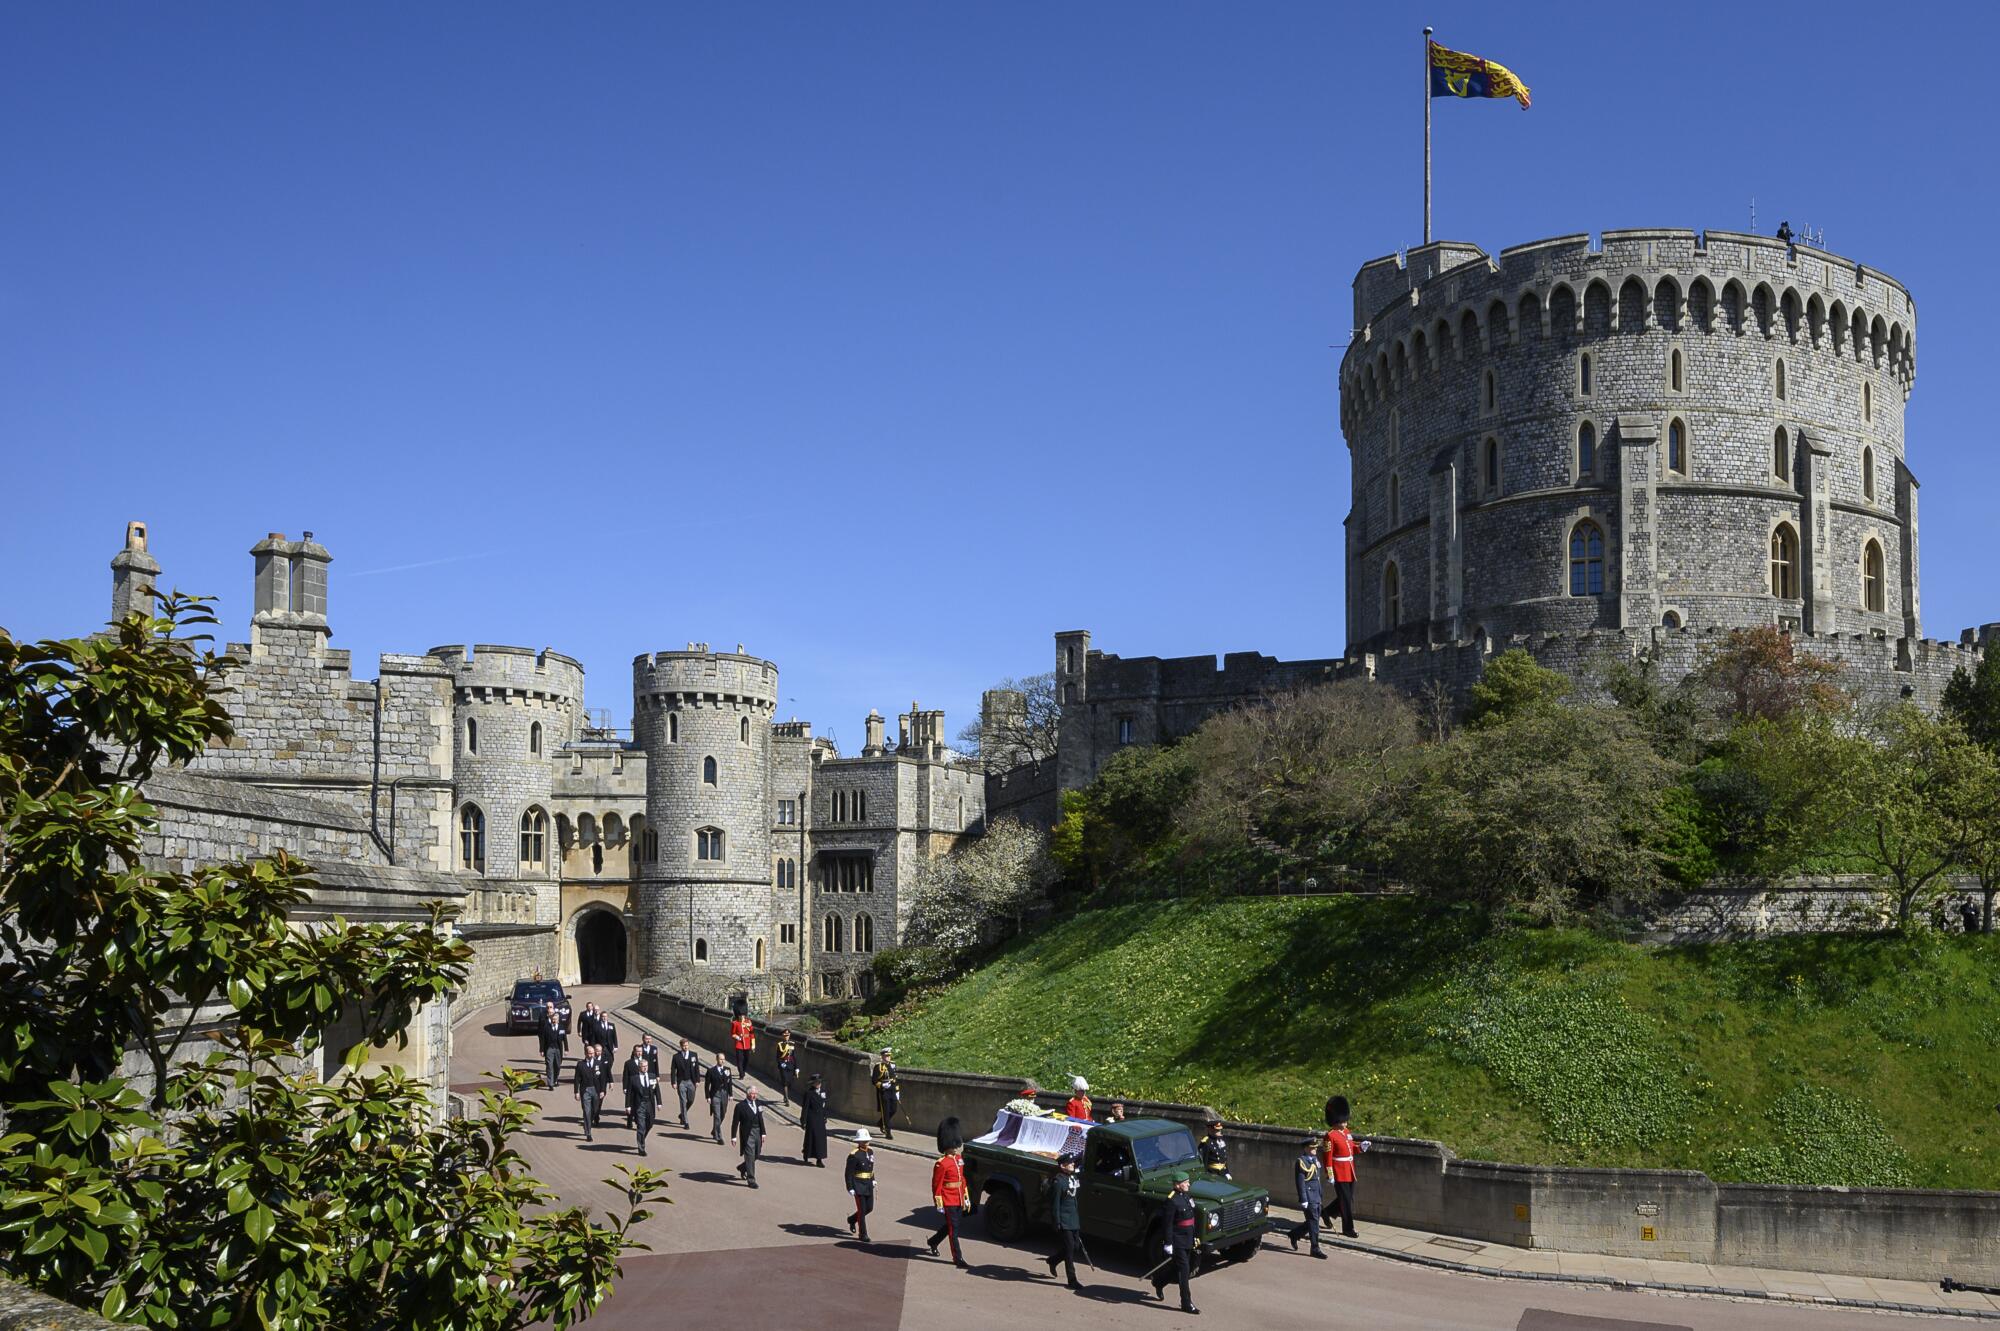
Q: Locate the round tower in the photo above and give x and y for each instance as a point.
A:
(513, 708)
(704, 720)
(1663, 431)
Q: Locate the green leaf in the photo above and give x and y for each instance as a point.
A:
(260, 1224)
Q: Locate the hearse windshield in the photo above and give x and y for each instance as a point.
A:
(1169, 1148)
(530, 991)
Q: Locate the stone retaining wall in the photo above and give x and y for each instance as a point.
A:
(1677, 1215)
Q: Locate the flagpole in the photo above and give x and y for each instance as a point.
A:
(1427, 136)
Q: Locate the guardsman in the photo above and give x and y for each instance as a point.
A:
(718, 1084)
(812, 1117)
(553, 1042)
(748, 1130)
(642, 1095)
(1079, 1099)
(788, 1065)
(948, 1192)
(1214, 1150)
(1338, 1157)
(1062, 1187)
(685, 1067)
(588, 1090)
(888, 1093)
(860, 1181)
(742, 1039)
(1182, 1220)
(1306, 1178)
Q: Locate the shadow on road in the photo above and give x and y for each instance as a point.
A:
(816, 1231)
(733, 1179)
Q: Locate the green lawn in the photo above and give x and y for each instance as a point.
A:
(1851, 1060)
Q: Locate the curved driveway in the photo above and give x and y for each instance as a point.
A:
(780, 1257)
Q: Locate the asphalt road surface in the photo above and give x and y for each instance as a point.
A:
(781, 1257)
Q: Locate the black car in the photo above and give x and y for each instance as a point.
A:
(524, 1009)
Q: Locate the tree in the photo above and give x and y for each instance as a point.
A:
(1014, 735)
(235, 1191)
(1973, 699)
(1759, 675)
(1921, 796)
(1513, 683)
(958, 898)
(1300, 777)
(1552, 810)
(1126, 812)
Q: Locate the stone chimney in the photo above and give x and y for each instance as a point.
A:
(874, 747)
(291, 584)
(133, 574)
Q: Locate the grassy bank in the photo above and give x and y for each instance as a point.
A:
(1850, 1060)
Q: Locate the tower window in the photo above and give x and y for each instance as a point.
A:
(1489, 466)
(1586, 560)
(534, 839)
(708, 844)
(1583, 375)
(1677, 450)
(830, 933)
(1868, 473)
(864, 933)
(1395, 500)
(1392, 597)
(535, 737)
(701, 949)
(1867, 402)
(788, 933)
(472, 839)
(745, 729)
(1778, 379)
(1781, 455)
(673, 727)
(1124, 730)
(1491, 392)
(1675, 375)
(760, 954)
(708, 771)
(1874, 594)
(471, 736)
(1586, 452)
(1785, 563)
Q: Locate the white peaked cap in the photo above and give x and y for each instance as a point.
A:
(1078, 1084)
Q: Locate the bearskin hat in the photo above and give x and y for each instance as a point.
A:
(1336, 1111)
(739, 1005)
(950, 1136)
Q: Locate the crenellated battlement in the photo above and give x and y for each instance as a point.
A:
(490, 672)
(1449, 302)
(698, 676)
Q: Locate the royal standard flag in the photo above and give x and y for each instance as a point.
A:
(1456, 74)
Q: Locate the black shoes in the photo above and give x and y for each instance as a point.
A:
(1160, 1293)
(850, 1224)
(1294, 1237)
(933, 1247)
(1319, 1255)
(1190, 1310)
(961, 1263)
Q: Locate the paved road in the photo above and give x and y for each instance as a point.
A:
(781, 1257)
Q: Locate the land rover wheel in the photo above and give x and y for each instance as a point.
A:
(1004, 1221)
(1243, 1252)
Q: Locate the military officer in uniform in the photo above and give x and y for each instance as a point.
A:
(1337, 1156)
(1306, 1178)
(1214, 1150)
(1079, 1099)
(1181, 1219)
(743, 1038)
(788, 1065)
(860, 1180)
(686, 1069)
(948, 1192)
(812, 1117)
(1062, 1187)
(887, 1093)
(748, 1130)
(718, 1084)
(642, 1095)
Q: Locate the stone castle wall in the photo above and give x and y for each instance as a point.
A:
(1733, 385)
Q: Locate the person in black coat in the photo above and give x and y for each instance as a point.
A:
(812, 1117)
(719, 1083)
(748, 1129)
(1182, 1220)
(554, 1043)
(642, 1096)
(685, 1068)
(860, 1182)
(1306, 1178)
(788, 1065)
(589, 1081)
(1063, 1187)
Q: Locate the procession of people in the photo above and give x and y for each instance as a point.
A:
(1323, 1173)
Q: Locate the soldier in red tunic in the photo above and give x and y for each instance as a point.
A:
(1337, 1156)
(948, 1191)
(1079, 1100)
(744, 1037)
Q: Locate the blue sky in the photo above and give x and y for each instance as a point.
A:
(886, 339)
